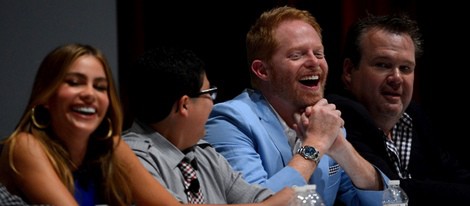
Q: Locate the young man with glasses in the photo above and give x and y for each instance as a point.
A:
(167, 131)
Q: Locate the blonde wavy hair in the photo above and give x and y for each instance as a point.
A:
(100, 154)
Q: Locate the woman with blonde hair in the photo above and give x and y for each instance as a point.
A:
(67, 149)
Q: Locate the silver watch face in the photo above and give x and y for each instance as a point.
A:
(310, 152)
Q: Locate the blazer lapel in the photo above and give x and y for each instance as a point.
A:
(272, 125)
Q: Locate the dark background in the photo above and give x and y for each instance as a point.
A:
(216, 31)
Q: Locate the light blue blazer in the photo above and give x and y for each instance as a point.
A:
(249, 135)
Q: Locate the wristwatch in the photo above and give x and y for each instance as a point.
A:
(309, 153)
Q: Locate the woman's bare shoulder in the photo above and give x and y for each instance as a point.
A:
(28, 149)
(27, 142)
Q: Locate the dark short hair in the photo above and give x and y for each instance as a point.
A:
(161, 76)
(399, 23)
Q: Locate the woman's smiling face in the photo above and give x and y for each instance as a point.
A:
(81, 101)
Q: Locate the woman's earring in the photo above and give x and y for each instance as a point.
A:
(35, 122)
(110, 126)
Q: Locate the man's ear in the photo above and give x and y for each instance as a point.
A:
(348, 66)
(258, 67)
(182, 105)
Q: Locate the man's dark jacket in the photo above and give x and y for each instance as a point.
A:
(436, 177)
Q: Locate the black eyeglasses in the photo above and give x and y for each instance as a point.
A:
(212, 92)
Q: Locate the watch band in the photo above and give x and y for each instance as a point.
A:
(309, 153)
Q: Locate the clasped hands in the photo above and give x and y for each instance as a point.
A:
(319, 126)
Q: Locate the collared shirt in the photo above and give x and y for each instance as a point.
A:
(220, 184)
(399, 147)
